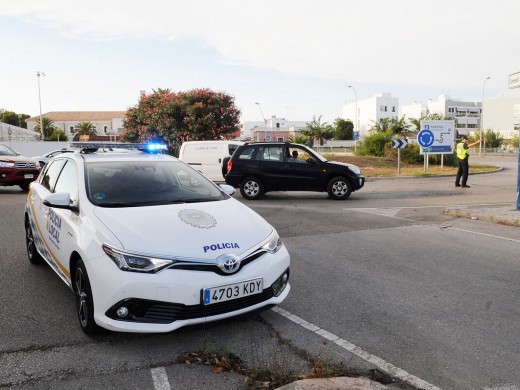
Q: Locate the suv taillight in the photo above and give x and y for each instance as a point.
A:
(229, 165)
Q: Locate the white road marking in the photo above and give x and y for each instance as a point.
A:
(429, 207)
(160, 379)
(378, 362)
(484, 234)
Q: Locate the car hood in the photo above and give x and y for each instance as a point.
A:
(351, 166)
(17, 159)
(195, 230)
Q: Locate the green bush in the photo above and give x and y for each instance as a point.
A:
(374, 144)
(412, 155)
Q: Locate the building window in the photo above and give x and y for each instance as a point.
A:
(382, 108)
(280, 139)
(277, 125)
(71, 129)
(105, 129)
(393, 109)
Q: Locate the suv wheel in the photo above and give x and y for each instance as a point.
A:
(339, 188)
(251, 188)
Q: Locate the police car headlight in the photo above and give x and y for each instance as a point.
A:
(132, 262)
(273, 244)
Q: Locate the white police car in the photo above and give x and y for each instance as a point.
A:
(147, 243)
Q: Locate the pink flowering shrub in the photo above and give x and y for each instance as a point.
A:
(199, 114)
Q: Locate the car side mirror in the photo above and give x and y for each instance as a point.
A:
(227, 189)
(310, 160)
(59, 200)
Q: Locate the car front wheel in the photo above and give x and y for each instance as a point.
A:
(84, 300)
(251, 188)
(339, 188)
(32, 252)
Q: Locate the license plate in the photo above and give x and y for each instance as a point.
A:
(233, 291)
(28, 176)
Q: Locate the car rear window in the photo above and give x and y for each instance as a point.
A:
(247, 153)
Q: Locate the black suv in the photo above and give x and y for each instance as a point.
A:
(259, 167)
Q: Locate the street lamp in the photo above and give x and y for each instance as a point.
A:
(38, 73)
(356, 124)
(265, 121)
(482, 118)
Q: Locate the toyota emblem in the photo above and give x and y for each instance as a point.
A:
(229, 263)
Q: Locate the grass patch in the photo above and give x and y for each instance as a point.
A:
(386, 167)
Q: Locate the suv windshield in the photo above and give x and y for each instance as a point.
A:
(5, 151)
(147, 183)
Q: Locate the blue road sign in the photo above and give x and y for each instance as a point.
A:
(425, 138)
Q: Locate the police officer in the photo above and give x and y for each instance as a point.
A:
(462, 158)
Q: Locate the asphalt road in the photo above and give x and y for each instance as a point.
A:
(386, 272)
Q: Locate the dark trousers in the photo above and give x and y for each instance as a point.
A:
(462, 172)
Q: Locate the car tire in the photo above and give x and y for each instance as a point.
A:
(339, 188)
(251, 188)
(84, 300)
(24, 187)
(32, 253)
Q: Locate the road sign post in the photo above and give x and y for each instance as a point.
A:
(399, 144)
(514, 82)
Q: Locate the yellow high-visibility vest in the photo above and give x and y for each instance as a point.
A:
(462, 152)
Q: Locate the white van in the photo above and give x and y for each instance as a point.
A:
(208, 156)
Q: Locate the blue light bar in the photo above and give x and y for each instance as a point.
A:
(151, 148)
(155, 147)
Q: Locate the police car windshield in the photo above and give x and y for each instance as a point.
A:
(147, 183)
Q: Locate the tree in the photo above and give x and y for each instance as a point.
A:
(395, 125)
(316, 130)
(57, 135)
(344, 129)
(492, 139)
(199, 114)
(416, 122)
(48, 127)
(299, 139)
(12, 118)
(84, 128)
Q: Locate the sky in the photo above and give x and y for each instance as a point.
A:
(296, 58)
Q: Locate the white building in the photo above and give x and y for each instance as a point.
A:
(466, 114)
(502, 115)
(105, 122)
(374, 109)
(273, 129)
(415, 110)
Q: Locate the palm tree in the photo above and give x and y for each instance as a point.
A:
(315, 129)
(48, 127)
(84, 128)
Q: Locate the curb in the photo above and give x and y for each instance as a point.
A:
(470, 214)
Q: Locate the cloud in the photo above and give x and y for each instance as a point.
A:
(442, 43)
